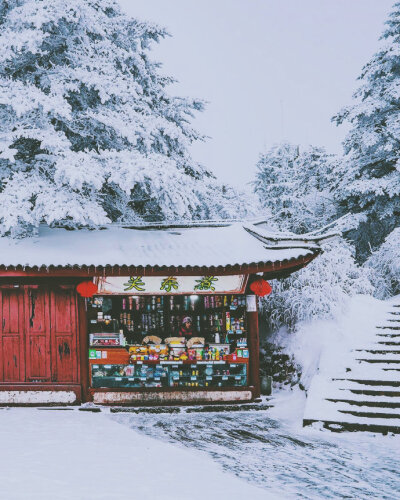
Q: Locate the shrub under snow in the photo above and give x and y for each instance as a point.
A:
(385, 265)
(318, 291)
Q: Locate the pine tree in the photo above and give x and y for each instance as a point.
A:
(88, 132)
(370, 187)
(296, 186)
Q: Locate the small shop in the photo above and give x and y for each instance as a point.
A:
(143, 315)
(170, 346)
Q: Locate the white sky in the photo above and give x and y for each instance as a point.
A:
(271, 70)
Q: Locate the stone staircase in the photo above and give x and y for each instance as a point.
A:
(365, 395)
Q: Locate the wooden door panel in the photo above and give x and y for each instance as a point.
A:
(37, 326)
(64, 366)
(12, 352)
(37, 311)
(62, 314)
(10, 312)
(64, 336)
(38, 363)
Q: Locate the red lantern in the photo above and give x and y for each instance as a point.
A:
(86, 289)
(261, 287)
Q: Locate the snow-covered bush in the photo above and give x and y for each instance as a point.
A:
(385, 265)
(318, 291)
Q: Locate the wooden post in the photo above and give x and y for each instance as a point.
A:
(253, 343)
(83, 348)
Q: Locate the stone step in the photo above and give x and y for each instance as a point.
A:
(261, 406)
(348, 395)
(379, 392)
(343, 425)
(364, 402)
(385, 413)
(377, 358)
(335, 408)
(321, 386)
(391, 335)
(374, 371)
(367, 384)
(381, 350)
(327, 411)
(378, 362)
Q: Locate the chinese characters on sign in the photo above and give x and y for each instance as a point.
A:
(169, 284)
(206, 283)
(159, 285)
(135, 283)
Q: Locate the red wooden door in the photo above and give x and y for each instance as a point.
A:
(64, 329)
(38, 335)
(37, 328)
(12, 362)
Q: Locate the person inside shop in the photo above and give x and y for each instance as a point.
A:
(186, 330)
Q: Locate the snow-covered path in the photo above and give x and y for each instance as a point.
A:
(74, 455)
(281, 456)
(70, 454)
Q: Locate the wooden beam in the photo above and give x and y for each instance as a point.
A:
(270, 269)
(253, 343)
(83, 342)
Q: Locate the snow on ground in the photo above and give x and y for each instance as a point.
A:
(270, 449)
(75, 455)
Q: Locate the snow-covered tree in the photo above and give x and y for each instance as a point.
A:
(318, 291)
(385, 264)
(296, 186)
(88, 131)
(370, 186)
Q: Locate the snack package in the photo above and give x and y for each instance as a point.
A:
(177, 341)
(192, 354)
(139, 349)
(152, 339)
(194, 341)
(155, 348)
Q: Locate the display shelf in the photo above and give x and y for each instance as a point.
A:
(103, 347)
(171, 363)
(135, 317)
(173, 375)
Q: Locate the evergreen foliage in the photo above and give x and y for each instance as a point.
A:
(370, 185)
(296, 186)
(88, 131)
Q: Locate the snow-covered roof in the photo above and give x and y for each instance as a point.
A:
(204, 245)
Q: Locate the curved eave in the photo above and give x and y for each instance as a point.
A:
(270, 269)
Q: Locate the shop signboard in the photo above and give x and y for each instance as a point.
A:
(171, 285)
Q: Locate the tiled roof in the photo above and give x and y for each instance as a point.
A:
(202, 245)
